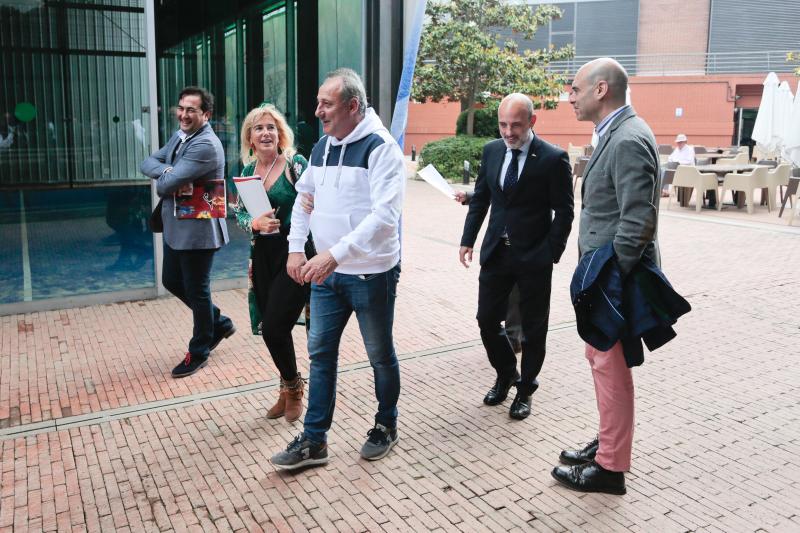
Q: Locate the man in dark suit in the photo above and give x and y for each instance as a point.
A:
(193, 153)
(620, 195)
(528, 184)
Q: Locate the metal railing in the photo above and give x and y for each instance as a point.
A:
(691, 63)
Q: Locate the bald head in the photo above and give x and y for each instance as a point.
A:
(610, 71)
(515, 101)
(515, 119)
(598, 89)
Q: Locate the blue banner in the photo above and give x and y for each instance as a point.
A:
(400, 116)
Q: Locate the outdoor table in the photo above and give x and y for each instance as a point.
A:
(720, 171)
(714, 157)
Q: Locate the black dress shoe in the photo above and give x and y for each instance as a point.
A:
(189, 365)
(222, 335)
(499, 392)
(590, 477)
(520, 407)
(579, 457)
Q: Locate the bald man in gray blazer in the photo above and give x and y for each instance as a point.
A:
(620, 195)
(194, 152)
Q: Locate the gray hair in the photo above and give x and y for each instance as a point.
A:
(352, 87)
(520, 98)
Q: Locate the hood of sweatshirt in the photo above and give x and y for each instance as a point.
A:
(368, 125)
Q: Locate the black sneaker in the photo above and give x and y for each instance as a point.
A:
(223, 335)
(301, 452)
(189, 365)
(380, 441)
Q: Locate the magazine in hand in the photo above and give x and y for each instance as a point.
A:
(253, 196)
(203, 198)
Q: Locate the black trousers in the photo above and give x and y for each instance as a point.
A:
(187, 275)
(513, 321)
(279, 299)
(497, 278)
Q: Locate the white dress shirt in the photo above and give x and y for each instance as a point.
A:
(520, 159)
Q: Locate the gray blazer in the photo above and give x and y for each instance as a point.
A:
(620, 193)
(200, 156)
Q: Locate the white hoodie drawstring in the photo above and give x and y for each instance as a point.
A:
(325, 160)
(325, 163)
(339, 168)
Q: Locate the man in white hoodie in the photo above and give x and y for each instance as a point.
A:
(356, 176)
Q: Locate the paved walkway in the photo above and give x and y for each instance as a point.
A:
(96, 435)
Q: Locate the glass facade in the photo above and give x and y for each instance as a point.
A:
(74, 127)
(75, 122)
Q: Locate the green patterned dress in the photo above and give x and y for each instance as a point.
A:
(282, 194)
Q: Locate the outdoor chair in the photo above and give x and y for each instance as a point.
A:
(577, 170)
(746, 182)
(739, 159)
(689, 176)
(665, 149)
(791, 194)
(700, 150)
(575, 153)
(777, 177)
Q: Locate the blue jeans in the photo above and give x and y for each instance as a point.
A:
(332, 302)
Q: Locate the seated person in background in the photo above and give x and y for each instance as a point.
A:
(683, 154)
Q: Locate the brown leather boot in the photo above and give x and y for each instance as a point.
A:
(294, 398)
(277, 410)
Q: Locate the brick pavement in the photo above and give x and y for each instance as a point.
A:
(716, 445)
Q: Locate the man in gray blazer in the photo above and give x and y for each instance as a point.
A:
(193, 152)
(620, 195)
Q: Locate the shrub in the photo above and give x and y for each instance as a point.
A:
(485, 124)
(448, 155)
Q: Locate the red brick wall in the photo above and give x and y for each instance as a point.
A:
(707, 102)
(430, 121)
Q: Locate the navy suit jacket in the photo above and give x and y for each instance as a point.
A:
(610, 306)
(537, 213)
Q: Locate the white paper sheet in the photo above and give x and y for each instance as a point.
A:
(251, 191)
(432, 176)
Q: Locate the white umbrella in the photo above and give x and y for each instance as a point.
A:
(764, 130)
(783, 106)
(791, 131)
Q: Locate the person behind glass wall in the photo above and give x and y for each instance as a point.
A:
(6, 132)
(356, 177)
(275, 299)
(192, 153)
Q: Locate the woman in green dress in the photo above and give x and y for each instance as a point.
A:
(275, 300)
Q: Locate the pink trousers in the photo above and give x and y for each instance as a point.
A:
(613, 387)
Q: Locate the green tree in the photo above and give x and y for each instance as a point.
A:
(794, 57)
(463, 57)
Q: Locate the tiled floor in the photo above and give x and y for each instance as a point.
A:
(109, 441)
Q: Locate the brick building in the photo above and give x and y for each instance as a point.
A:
(696, 67)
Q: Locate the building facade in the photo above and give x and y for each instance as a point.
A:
(89, 88)
(696, 67)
